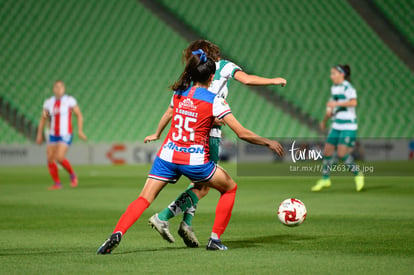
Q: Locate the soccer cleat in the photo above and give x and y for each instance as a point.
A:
(110, 244)
(162, 227)
(359, 182)
(320, 184)
(215, 245)
(187, 233)
(73, 180)
(56, 186)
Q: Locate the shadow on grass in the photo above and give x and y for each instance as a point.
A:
(271, 239)
(159, 249)
(281, 239)
(19, 252)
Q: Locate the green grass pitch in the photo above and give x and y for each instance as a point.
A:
(52, 232)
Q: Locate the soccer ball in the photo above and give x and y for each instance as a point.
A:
(292, 212)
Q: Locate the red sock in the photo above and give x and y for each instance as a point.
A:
(131, 215)
(53, 170)
(223, 211)
(66, 164)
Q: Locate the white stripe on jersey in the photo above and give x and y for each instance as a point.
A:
(166, 153)
(197, 159)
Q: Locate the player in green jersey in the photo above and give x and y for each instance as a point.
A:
(341, 109)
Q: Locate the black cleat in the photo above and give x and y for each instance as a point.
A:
(110, 244)
(215, 245)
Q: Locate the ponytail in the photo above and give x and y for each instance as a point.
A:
(199, 68)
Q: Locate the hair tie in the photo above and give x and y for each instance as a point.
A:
(340, 69)
(203, 56)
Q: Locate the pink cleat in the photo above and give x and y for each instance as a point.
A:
(56, 186)
(73, 180)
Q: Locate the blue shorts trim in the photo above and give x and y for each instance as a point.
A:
(170, 172)
(63, 139)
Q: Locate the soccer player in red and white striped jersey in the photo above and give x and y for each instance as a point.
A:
(59, 109)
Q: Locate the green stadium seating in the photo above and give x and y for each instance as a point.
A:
(116, 58)
(10, 135)
(401, 14)
(301, 40)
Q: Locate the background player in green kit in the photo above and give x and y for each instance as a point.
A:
(341, 108)
(225, 70)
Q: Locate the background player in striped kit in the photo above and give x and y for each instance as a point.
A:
(58, 109)
(185, 151)
(341, 108)
(225, 70)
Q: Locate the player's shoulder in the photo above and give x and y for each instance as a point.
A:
(225, 62)
(68, 97)
(205, 95)
(348, 86)
(49, 100)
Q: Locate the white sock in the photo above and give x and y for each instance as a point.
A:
(214, 236)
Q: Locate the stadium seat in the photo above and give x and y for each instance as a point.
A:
(401, 14)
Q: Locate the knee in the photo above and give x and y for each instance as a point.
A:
(327, 153)
(60, 158)
(51, 159)
(232, 188)
(341, 155)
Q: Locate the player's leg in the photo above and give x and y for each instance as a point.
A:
(186, 230)
(52, 166)
(345, 147)
(183, 202)
(62, 149)
(328, 151)
(148, 194)
(214, 150)
(222, 182)
(135, 209)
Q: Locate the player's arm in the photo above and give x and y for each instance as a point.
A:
(165, 119)
(327, 115)
(42, 122)
(350, 103)
(251, 137)
(254, 80)
(79, 116)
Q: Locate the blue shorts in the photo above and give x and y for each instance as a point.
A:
(67, 139)
(170, 172)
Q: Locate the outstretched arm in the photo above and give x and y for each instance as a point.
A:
(42, 121)
(79, 116)
(254, 80)
(251, 137)
(165, 119)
